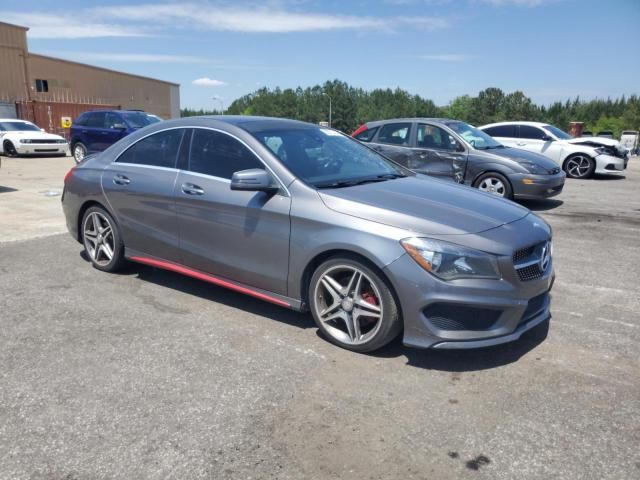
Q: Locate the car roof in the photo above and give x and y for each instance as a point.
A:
(532, 124)
(15, 120)
(411, 119)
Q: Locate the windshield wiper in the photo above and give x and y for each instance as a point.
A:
(361, 181)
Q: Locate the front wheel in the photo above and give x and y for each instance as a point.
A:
(9, 149)
(353, 305)
(579, 166)
(79, 152)
(101, 240)
(495, 184)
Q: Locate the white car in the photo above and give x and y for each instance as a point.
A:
(578, 157)
(19, 137)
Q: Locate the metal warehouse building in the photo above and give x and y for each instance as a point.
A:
(46, 89)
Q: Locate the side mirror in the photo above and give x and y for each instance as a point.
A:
(119, 126)
(547, 138)
(253, 180)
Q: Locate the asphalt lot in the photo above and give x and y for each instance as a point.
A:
(148, 374)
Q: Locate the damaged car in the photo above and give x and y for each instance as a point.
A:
(579, 157)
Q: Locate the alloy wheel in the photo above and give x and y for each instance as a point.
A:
(493, 185)
(78, 153)
(348, 303)
(98, 238)
(578, 166)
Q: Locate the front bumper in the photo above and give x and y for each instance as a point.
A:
(467, 313)
(608, 164)
(529, 186)
(42, 149)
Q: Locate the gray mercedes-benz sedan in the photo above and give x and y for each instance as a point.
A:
(310, 219)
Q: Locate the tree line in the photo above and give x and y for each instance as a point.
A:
(353, 106)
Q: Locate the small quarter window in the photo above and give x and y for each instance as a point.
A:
(367, 135)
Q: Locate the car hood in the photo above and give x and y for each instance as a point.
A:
(594, 141)
(424, 206)
(522, 156)
(33, 135)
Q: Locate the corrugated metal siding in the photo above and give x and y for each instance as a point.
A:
(13, 48)
(71, 82)
(7, 110)
(48, 115)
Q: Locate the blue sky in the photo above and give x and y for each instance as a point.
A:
(550, 49)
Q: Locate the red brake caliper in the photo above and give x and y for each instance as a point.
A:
(370, 298)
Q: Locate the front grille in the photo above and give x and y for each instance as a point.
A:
(44, 140)
(447, 316)
(528, 261)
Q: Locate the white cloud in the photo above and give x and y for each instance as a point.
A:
(67, 26)
(517, 3)
(208, 82)
(447, 57)
(125, 57)
(259, 19)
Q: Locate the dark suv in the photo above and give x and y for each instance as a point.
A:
(96, 130)
(453, 150)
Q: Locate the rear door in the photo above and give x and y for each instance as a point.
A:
(438, 153)
(394, 141)
(91, 132)
(139, 186)
(505, 134)
(243, 236)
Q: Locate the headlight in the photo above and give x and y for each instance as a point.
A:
(449, 261)
(24, 140)
(534, 168)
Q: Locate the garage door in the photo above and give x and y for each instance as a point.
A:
(8, 110)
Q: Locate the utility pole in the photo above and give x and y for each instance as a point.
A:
(329, 107)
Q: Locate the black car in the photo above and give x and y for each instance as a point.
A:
(456, 151)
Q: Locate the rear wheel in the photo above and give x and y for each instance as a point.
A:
(79, 151)
(102, 240)
(353, 305)
(495, 184)
(9, 149)
(579, 166)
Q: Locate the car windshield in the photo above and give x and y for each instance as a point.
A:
(137, 119)
(474, 137)
(560, 134)
(325, 158)
(18, 127)
(154, 119)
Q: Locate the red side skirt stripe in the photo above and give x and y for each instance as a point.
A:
(207, 278)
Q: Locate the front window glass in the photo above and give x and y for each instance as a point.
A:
(18, 127)
(325, 158)
(474, 137)
(555, 131)
(137, 119)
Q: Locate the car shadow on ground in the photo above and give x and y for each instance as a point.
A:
(7, 189)
(468, 360)
(608, 177)
(542, 205)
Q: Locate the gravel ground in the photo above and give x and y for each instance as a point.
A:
(148, 374)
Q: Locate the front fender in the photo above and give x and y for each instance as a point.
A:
(475, 169)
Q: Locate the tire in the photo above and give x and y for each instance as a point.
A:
(9, 149)
(579, 166)
(353, 305)
(494, 183)
(78, 152)
(102, 241)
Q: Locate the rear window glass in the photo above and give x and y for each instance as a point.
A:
(505, 131)
(395, 133)
(158, 150)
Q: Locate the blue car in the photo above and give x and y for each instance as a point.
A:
(96, 130)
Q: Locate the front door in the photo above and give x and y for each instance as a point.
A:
(243, 236)
(139, 186)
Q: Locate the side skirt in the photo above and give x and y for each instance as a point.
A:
(265, 295)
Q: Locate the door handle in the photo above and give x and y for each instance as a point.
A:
(121, 180)
(520, 144)
(191, 189)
